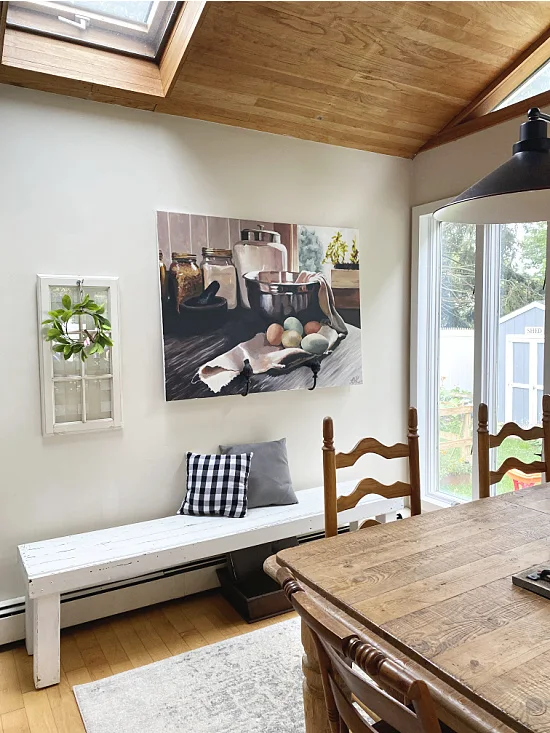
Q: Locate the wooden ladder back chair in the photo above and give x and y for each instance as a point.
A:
(332, 461)
(379, 677)
(486, 441)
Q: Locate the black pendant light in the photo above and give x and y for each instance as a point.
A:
(517, 191)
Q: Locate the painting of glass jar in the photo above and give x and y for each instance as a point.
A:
(257, 306)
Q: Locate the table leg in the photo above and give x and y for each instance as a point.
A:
(314, 700)
(29, 624)
(46, 626)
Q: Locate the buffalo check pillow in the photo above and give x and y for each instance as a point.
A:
(216, 485)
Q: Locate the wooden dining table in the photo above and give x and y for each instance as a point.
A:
(436, 590)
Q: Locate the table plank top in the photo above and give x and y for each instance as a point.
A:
(438, 586)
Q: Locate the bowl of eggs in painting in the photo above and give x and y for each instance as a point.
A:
(276, 296)
(294, 334)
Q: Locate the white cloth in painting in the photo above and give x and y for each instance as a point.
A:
(219, 372)
(326, 299)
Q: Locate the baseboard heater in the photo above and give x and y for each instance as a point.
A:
(12, 612)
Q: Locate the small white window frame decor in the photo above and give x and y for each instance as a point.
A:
(49, 380)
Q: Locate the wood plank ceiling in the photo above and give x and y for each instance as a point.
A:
(378, 76)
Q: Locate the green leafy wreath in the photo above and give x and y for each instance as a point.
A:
(87, 343)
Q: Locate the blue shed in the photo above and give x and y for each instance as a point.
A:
(521, 365)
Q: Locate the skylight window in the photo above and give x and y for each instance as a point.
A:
(137, 28)
(537, 83)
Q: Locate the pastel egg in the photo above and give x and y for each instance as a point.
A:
(291, 339)
(312, 327)
(293, 324)
(314, 343)
(274, 334)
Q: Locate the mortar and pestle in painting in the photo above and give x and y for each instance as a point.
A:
(205, 312)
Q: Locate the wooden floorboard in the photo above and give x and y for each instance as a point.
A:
(106, 647)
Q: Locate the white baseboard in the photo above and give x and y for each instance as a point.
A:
(103, 601)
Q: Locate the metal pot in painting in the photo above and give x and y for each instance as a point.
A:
(276, 295)
(259, 249)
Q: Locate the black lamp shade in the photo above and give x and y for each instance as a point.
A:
(517, 191)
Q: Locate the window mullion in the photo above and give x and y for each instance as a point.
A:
(425, 334)
(486, 323)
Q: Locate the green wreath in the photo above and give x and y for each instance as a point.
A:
(87, 343)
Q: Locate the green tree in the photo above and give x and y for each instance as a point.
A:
(458, 254)
(310, 250)
(522, 270)
(522, 265)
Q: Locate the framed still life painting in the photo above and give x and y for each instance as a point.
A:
(257, 306)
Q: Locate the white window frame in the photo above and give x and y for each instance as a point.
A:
(425, 337)
(47, 378)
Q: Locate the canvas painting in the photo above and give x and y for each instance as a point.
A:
(255, 306)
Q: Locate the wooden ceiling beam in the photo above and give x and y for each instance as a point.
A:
(468, 127)
(189, 20)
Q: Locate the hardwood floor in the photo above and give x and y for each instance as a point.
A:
(106, 647)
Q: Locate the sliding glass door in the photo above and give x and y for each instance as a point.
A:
(478, 335)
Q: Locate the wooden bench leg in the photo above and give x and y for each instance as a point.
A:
(46, 625)
(29, 624)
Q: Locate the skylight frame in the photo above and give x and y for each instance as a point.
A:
(105, 32)
(515, 95)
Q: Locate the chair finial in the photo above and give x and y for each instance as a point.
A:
(483, 418)
(413, 422)
(328, 434)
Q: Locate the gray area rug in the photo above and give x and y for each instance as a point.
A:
(248, 684)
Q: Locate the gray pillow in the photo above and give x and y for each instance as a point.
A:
(269, 482)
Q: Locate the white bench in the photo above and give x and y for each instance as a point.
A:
(84, 560)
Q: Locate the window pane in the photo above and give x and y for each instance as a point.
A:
(68, 401)
(536, 84)
(520, 343)
(456, 359)
(65, 368)
(98, 399)
(56, 294)
(98, 364)
(136, 28)
(137, 11)
(101, 297)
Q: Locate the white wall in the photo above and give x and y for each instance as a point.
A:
(450, 169)
(79, 186)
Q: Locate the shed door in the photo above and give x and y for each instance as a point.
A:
(524, 379)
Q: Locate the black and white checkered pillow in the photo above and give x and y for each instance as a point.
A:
(216, 485)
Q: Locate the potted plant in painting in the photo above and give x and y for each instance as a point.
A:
(345, 273)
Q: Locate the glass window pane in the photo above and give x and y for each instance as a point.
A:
(101, 297)
(520, 364)
(98, 399)
(536, 84)
(137, 11)
(65, 368)
(136, 28)
(56, 294)
(456, 359)
(68, 401)
(98, 364)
